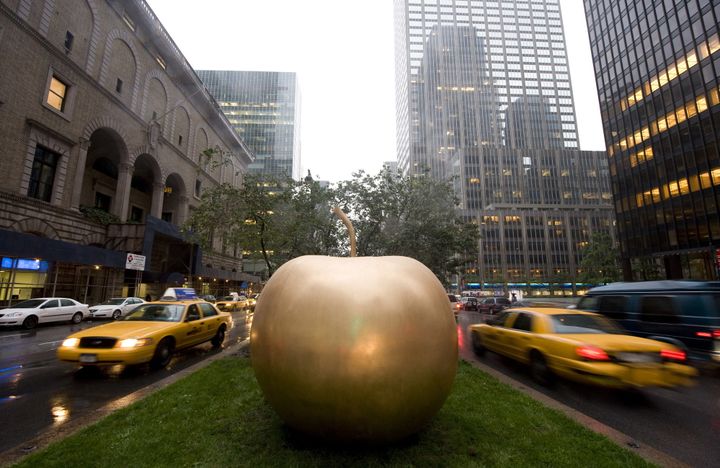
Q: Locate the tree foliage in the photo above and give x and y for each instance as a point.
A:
(599, 262)
(409, 216)
(277, 220)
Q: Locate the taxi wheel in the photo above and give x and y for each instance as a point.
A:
(539, 369)
(163, 354)
(477, 344)
(77, 317)
(219, 337)
(30, 322)
(116, 315)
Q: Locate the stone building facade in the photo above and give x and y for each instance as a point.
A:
(104, 132)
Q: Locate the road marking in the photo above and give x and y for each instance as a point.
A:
(50, 342)
(10, 336)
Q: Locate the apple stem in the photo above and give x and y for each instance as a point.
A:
(351, 230)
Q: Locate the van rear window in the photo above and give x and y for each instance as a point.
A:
(614, 307)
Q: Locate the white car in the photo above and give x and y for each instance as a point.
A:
(115, 308)
(42, 310)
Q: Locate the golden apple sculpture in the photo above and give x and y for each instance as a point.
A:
(356, 349)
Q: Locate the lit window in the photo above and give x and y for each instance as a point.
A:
(56, 94)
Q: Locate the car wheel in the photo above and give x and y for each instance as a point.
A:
(30, 322)
(77, 317)
(477, 344)
(539, 369)
(116, 315)
(219, 337)
(162, 355)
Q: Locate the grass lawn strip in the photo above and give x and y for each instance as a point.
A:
(218, 417)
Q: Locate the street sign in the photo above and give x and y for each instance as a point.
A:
(135, 262)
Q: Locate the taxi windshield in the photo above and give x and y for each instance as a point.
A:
(580, 323)
(228, 298)
(157, 313)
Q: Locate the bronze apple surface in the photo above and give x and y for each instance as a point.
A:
(361, 348)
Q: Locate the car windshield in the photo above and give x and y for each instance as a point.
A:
(30, 304)
(114, 301)
(581, 323)
(157, 313)
(227, 298)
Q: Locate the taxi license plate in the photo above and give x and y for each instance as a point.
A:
(639, 358)
(88, 358)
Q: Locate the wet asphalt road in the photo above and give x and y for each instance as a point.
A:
(38, 392)
(684, 423)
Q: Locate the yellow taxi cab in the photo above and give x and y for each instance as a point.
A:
(581, 346)
(150, 333)
(233, 302)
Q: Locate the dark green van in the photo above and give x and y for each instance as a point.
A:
(685, 313)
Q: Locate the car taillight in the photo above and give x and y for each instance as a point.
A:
(709, 334)
(673, 354)
(592, 353)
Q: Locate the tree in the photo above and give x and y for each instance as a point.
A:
(409, 216)
(268, 218)
(599, 262)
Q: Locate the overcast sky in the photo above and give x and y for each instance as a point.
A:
(343, 53)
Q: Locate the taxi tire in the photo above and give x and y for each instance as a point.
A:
(219, 337)
(116, 315)
(77, 317)
(477, 344)
(30, 322)
(539, 369)
(163, 354)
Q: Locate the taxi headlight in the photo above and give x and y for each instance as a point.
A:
(134, 342)
(71, 342)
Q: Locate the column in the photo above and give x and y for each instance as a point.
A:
(158, 197)
(122, 192)
(81, 158)
(182, 210)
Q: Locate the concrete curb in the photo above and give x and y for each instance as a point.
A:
(648, 453)
(47, 437)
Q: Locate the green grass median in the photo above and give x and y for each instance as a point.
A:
(217, 417)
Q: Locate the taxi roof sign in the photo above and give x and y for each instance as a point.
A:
(179, 294)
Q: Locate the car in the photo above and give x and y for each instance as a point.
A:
(151, 333)
(233, 302)
(455, 305)
(469, 303)
(493, 305)
(684, 313)
(208, 298)
(115, 307)
(581, 346)
(31, 312)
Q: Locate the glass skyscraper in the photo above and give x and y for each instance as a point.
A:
(656, 65)
(484, 96)
(264, 108)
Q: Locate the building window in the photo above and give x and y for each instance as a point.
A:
(103, 201)
(57, 94)
(167, 216)
(69, 38)
(179, 140)
(42, 176)
(118, 85)
(198, 188)
(136, 214)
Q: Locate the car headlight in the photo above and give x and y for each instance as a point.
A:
(15, 314)
(134, 342)
(92, 310)
(71, 342)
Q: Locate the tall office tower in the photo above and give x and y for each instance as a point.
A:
(529, 123)
(264, 109)
(657, 65)
(484, 96)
